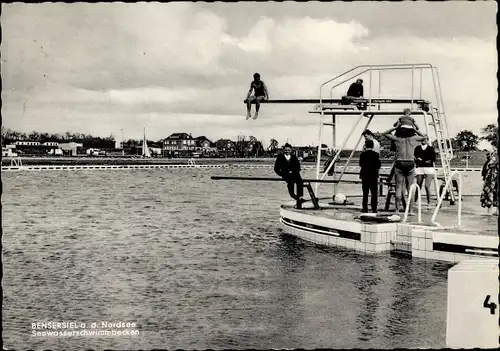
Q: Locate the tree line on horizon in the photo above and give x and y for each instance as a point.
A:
(465, 140)
(10, 136)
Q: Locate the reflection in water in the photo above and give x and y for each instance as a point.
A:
(412, 291)
(366, 285)
(289, 290)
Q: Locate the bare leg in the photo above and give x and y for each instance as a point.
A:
(257, 106)
(410, 179)
(420, 180)
(429, 179)
(249, 106)
(400, 180)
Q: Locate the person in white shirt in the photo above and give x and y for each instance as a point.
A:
(425, 157)
(369, 136)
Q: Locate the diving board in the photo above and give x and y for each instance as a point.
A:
(337, 101)
(368, 113)
(282, 180)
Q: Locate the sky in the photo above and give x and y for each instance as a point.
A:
(187, 67)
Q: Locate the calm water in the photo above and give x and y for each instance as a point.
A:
(197, 264)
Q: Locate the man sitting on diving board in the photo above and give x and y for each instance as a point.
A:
(287, 166)
(260, 93)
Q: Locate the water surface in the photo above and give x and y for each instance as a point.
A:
(197, 264)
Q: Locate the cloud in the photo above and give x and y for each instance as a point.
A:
(104, 67)
(257, 41)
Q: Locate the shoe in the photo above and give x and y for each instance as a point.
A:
(249, 115)
(256, 115)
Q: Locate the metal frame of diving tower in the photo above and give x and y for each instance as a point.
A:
(434, 114)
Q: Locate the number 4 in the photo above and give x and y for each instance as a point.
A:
(491, 305)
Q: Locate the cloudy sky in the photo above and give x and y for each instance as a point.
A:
(186, 67)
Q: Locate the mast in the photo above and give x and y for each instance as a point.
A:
(145, 149)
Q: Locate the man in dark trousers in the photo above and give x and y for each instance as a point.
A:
(369, 161)
(287, 166)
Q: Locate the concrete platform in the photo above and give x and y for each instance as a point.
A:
(340, 226)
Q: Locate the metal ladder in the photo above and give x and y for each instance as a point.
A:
(444, 146)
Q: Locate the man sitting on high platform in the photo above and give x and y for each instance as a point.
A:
(354, 92)
(356, 89)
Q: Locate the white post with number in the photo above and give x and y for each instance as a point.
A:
(472, 318)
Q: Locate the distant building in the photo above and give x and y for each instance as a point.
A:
(71, 148)
(26, 143)
(226, 147)
(27, 147)
(179, 141)
(204, 145)
(179, 144)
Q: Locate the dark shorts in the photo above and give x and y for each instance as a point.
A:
(405, 167)
(257, 98)
(405, 132)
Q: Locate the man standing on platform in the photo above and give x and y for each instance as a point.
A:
(404, 167)
(287, 166)
(369, 162)
(369, 136)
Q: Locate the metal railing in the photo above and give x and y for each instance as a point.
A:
(16, 162)
(337, 155)
(352, 152)
(443, 195)
(411, 193)
(362, 69)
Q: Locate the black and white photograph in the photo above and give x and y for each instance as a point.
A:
(249, 175)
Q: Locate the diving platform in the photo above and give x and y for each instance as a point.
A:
(325, 220)
(369, 113)
(338, 101)
(341, 226)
